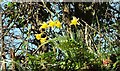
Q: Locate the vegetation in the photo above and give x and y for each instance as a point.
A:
(61, 36)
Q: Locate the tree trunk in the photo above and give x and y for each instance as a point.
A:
(12, 55)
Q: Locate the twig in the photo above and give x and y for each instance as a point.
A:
(99, 32)
(47, 8)
(96, 31)
(114, 9)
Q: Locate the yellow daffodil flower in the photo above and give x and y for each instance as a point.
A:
(74, 21)
(44, 25)
(42, 40)
(51, 23)
(38, 36)
(58, 24)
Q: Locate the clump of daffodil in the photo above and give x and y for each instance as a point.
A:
(42, 40)
(74, 21)
(58, 24)
(38, 36)
(44, 25)
(51, 23)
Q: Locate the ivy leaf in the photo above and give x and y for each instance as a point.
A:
(9, 4)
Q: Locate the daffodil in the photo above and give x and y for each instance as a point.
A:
(42, 40)
(38, 36)
(74, 21)
(44, 25)
(51, 23)
(58, 24)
